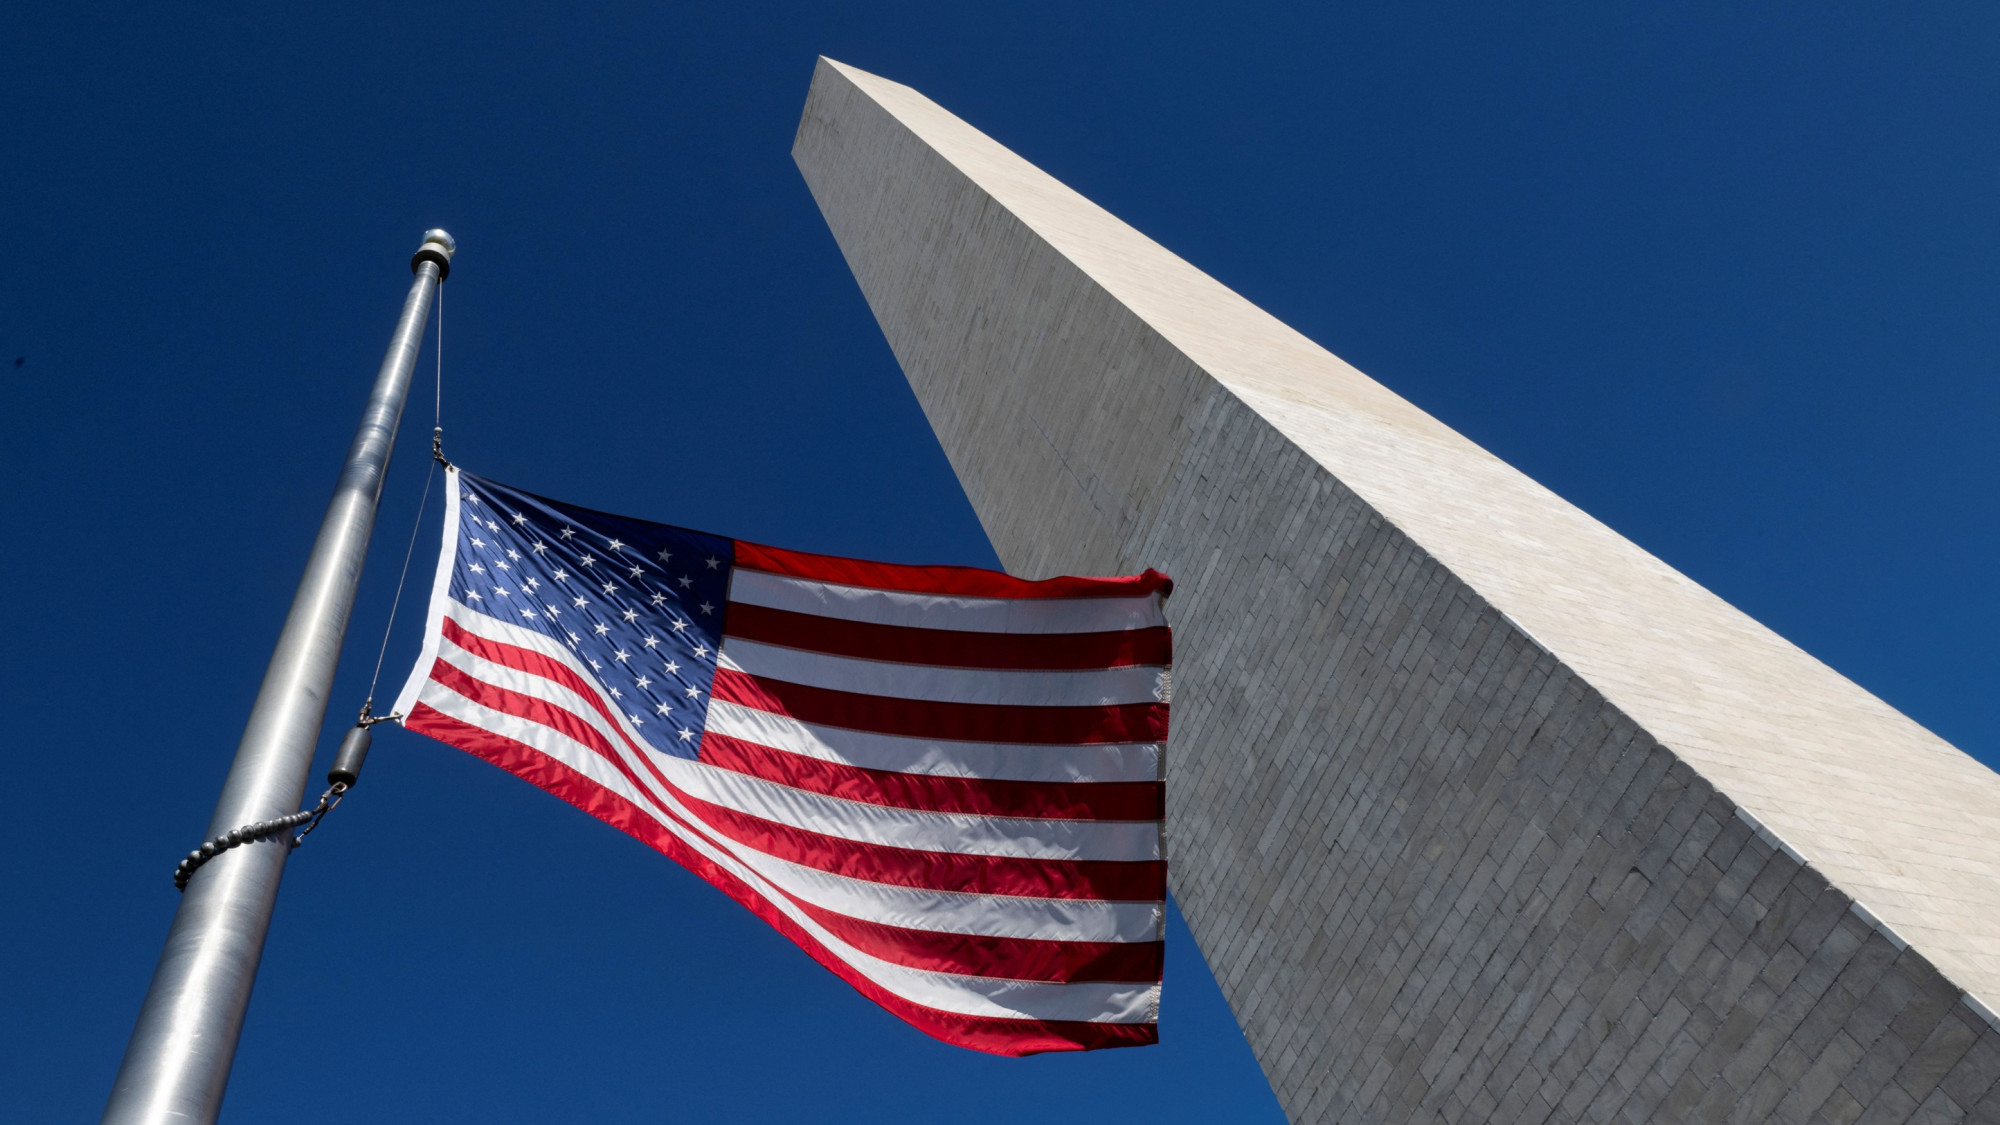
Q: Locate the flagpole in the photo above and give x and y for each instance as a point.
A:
(177, 1063)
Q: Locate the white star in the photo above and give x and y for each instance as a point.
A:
(636, 570)
(569, 533)
(600, 628)
(663, 709)
(694, 693)
(686, 734)
(471, 499)
(651, 641)
(636, 720)
(477, 569)
(479, 542)
(534, 583)
(513, 554)
(630, 615)
(616, 694)
(561, 575)
(500, 565)
(643, 683)
(672, 667)
(700, 650)
(539, 547)
(621, 656)
(679, 625)
(659, 599)
(666, 556)
(491, 526)
(707, 608)
(594, 663)
(519, 519)
(616, 544)
(527, 613)
(713, 562)
(579, 603)
(473, 595)
(573, 638)
(586, 561)
(610, 589)
(551, 612)
(686, 581)
(501, 590)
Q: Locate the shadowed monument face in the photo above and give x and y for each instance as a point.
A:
(1477, 810)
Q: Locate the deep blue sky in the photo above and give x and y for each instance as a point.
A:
(1724, 275)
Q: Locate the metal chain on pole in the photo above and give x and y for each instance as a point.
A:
(250, 833)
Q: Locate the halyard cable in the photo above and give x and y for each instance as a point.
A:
(263, 829)
(437, 458)
(437, 410)
(367, 707)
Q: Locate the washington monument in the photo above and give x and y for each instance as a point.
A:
(1478, 811)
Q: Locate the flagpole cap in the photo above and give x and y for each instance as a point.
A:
(438, 247)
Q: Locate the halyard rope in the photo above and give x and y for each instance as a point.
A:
(437, 412)
(250, 833)
(437, 458)
(415, 528)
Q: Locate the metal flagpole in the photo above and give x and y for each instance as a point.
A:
(177, 1063)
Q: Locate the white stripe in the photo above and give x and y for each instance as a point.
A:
(954, 912)
(539, 687)
(999, 761)
(1096, 687)
(441, 602)
(1020, 837)
(938, 611)
(975, 996)
(507, 633)
(965, 833)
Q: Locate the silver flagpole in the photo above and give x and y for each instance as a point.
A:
(177, 1063)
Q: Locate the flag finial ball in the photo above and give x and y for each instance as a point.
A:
(438, 247)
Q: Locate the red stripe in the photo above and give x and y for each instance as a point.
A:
(1131, 881)
(979, 955)
(529, 661)
(922, 718)
(1106, 800)
(904, 645)
(1117, 880)
(962, 581)
(980, 1033)
(556, 718)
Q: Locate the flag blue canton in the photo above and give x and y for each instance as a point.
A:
(641, 603)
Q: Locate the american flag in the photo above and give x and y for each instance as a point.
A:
(943, 783)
